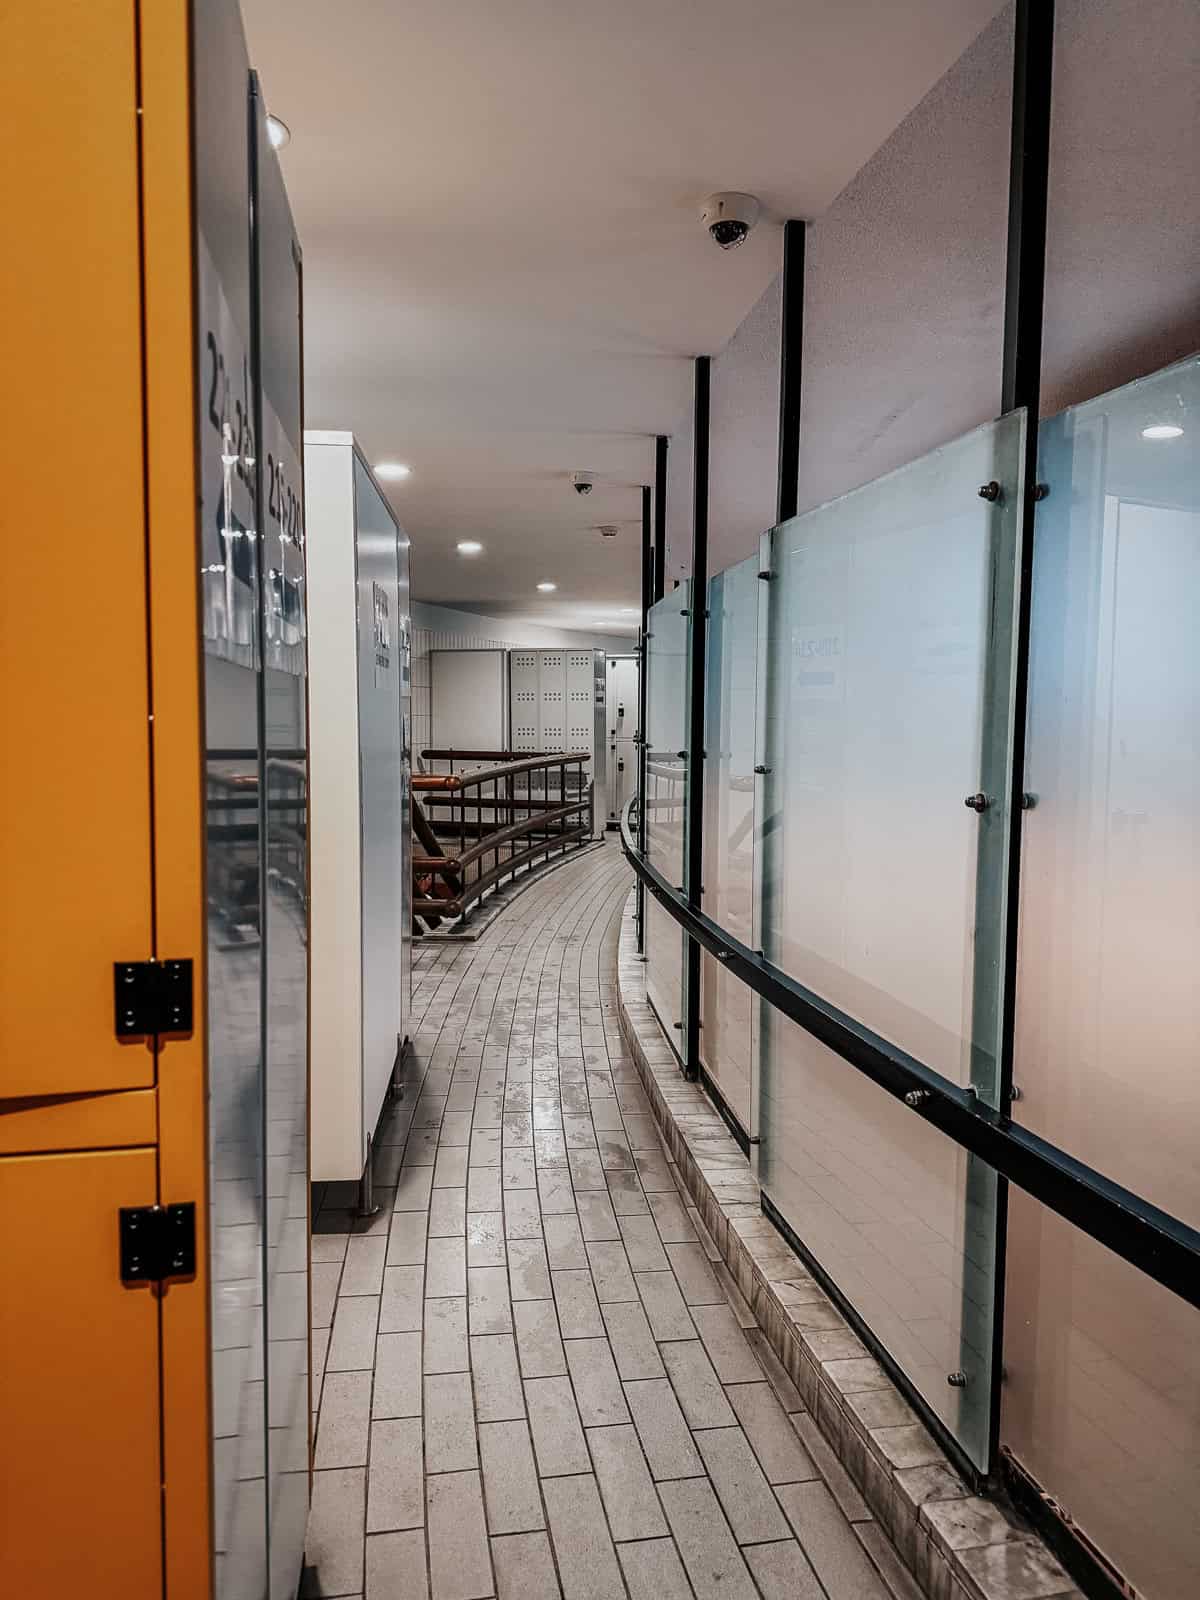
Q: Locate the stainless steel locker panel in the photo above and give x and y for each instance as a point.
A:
(404, 664)
(552, 700)
(523, 690)
(381, 778)
(226, 413)
(277, 284)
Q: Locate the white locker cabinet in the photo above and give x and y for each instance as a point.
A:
(621, 709)
(360, 767)
(557, 703)
(468, 700)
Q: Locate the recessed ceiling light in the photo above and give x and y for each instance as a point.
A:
(547, 588)
(278, 132)
(1162, 430)
(392, 469)
(629, 611)
(469, 547)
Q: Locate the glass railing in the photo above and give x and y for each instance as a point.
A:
(1108, 1003)
(861, 734)
(727, 1041)
(666, 797)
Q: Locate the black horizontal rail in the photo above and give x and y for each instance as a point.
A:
(1161, 1246)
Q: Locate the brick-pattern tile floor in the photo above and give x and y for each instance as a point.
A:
(533, 1374)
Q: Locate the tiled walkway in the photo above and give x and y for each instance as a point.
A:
(538, 1378)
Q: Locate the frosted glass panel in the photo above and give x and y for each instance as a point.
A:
(1102, 1397)
(1108, 1004)
(889, 685)
(726, 1041)
(665, 798)
(889, 662)
(900, 1218)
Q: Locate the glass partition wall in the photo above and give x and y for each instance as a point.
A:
(727, 1042)
(889, 682)
(666, 797)
(860, 722)
(1103, 1394)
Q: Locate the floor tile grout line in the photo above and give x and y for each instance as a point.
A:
(571, 963)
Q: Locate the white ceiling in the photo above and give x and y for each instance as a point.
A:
(505, 274)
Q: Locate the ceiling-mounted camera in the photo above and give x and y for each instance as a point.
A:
(583, 482)
(729, 217)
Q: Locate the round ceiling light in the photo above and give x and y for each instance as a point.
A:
(278, 132)
(469, 547)
(392, 469)
(1162, 430)
(547, 588)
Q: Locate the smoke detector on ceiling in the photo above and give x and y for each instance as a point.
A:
(608, 530)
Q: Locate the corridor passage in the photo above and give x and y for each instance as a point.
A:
(538, 1380)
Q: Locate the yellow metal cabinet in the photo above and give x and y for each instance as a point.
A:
(80, 1497)
(115, 115)
(73, 643)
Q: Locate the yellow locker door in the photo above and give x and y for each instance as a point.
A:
(80, 1499)
(75, 837)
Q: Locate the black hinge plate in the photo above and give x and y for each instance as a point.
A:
(157, 1242)
(152, 997)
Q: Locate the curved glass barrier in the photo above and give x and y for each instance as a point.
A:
(666, 796)
(887, 743)
(1104, 1365)
(727, 1044)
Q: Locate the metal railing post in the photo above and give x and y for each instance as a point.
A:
(659, 570)
(647, 599)
(694, 793)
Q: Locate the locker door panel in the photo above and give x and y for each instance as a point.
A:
(74, 803)
(552, 700)
(79, 1400)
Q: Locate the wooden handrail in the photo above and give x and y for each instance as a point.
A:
(427, 782)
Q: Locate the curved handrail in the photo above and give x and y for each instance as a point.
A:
(1161, 1246)
(431, 782)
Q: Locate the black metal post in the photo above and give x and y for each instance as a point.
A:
(791, 363)
(697, 639)
(643, 655)
(1025, 279)
(660, 516)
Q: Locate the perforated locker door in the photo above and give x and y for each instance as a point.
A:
(581, 699)
(523, 699)
(552, 700)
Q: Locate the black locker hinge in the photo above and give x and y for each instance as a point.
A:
(157, 1242)
(152, 997)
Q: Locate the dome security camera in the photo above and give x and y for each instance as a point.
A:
(583, 482)
(729, 217)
